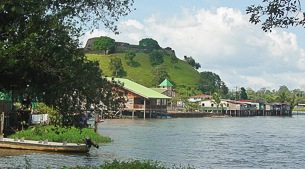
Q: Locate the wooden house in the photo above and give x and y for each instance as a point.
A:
(281, 108)
(142, 101)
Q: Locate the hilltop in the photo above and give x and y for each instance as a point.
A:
(181, 74)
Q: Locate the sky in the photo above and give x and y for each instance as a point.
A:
(218, 35)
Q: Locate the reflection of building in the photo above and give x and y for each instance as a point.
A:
(142, 101)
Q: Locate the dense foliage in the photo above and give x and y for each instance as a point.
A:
(105, 44)
(56, 134)
(129, 55)
(243, 93)
(115, 66)
(149, 44)
(40, 57)
(159, 73)
(156, 57)
(277, 13)
(210, 83)
(191, 61)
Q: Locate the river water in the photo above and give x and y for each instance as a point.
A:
(247, 142)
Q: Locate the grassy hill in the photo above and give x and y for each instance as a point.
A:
(181, 74)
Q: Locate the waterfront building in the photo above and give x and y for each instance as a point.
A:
(142, 101)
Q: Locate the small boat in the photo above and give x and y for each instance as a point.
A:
(43, 145)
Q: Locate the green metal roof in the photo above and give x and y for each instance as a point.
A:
(166, 83)
(159, 90)
(140, 89)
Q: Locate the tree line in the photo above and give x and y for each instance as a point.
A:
(40, 58)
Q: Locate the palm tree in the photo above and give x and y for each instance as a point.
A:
(282, 97)
(216, 100)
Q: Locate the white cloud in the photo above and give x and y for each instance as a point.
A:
(224, 42)
(92, 34)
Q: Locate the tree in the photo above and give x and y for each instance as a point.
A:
(209, 82)
(115, 65)
(149, 44)
(282, 97)
(216, 100)
(156, 57)
(129, 55)
(159, 73)
(104, 43)
(40, 53)
(243, 93)
(277, 13)
(224, 90)
(192, 62)
(173, 60)
(283, 89)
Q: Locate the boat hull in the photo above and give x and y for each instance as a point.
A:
(43, 146)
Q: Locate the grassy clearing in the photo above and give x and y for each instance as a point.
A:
(181, 74)
(56, 134)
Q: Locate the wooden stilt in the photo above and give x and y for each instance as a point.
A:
(144, 108)
(1, 123)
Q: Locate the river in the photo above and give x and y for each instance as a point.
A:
(246, 142)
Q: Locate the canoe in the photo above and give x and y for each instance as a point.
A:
(42, 145)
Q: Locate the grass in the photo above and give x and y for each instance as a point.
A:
(181, 74)
(52, 133)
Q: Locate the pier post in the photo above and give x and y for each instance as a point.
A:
(144, 107)
(1, 123)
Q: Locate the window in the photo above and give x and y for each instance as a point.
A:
(130, 100)
(158, 101)
(163, 101)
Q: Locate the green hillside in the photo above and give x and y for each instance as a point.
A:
(181, 74)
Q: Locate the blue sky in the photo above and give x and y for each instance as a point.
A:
(217, 34)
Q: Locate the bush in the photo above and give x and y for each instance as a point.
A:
(57, 134)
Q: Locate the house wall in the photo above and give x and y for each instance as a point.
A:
(209, 103)
(268, 107)
(233, 106)
(170, 93)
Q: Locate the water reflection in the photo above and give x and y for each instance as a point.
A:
(251, 142)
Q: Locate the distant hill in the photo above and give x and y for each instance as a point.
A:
(181, 74)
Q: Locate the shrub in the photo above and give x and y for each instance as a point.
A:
(58, 134)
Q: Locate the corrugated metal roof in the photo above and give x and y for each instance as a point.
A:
(159, 90)
(139, 89)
